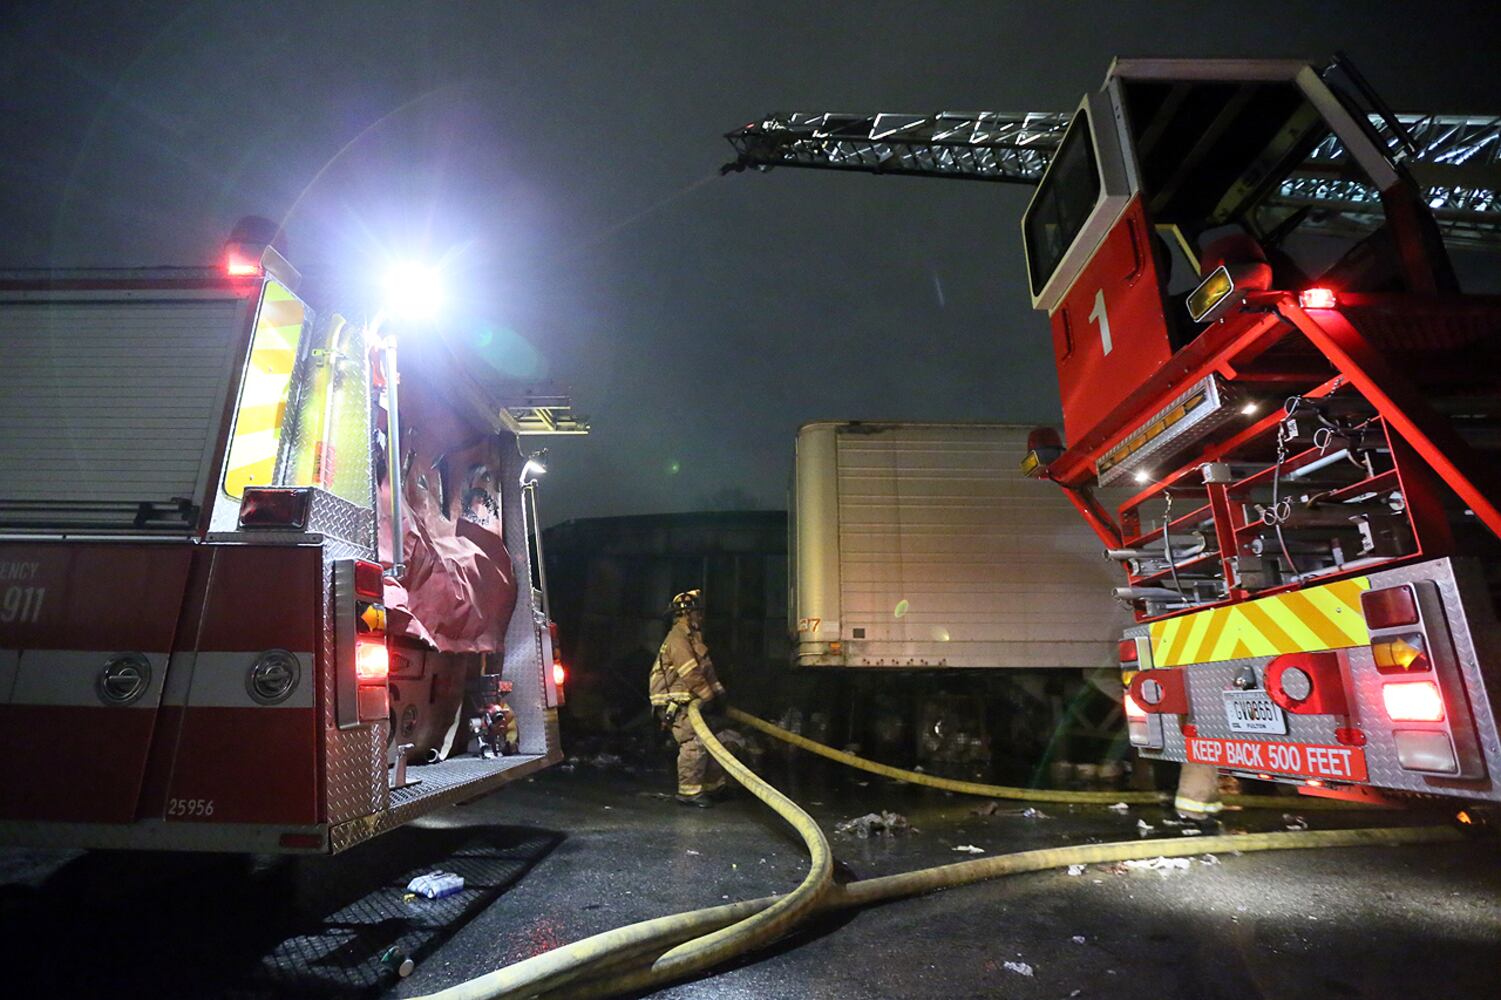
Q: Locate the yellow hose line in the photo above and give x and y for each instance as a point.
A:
(886, 888)
(772, 922)
(701, 938)
(726, 930)
(1303, 802)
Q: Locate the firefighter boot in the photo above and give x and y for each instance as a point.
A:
(703, 800)
(1198, 797)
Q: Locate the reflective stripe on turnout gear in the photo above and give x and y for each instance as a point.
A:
(1185, 804)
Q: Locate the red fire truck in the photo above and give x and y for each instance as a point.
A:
(1259, 333)
(201, 644)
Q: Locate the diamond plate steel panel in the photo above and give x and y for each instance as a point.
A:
(1477, 641)
(337, 518)
(523, 665)
(354, 760)
(444, 784)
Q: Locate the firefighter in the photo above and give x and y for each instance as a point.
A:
(683, 672)
(1198, 796)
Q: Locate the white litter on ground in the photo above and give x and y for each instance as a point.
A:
(1157, 864)
(1077, 869)
(1119, 807)
(1030, 813)
(971, 849)
(1020, 968)
(1191, 831)
(1078, 939)
(1143, 828)
(693, 852)
(1294, 822)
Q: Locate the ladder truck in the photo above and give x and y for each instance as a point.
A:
(1259, 333)
(241, 591)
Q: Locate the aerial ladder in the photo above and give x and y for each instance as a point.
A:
(1456, 158)
(1263, 351)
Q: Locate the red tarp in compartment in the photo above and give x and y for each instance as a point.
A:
(459, 588)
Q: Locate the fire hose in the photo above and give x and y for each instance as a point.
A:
(1007, 791)
(620, 960)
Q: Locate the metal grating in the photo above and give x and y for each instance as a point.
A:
(341, 954)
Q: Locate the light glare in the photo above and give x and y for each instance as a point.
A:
(414, 291)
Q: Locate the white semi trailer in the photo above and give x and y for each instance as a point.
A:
(941, 600)
(922, 546)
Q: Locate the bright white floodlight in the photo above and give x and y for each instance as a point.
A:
(414, 291)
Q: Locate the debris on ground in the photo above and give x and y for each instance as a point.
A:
(1143, 828)
(988, 809)
(694, 853)
(881, 824)
(567, 768)
(1119, 807)
(1077, 869)
(1020, 968)
(604, 760)
(436, 885)
(971, 849)
(1294, 822)
(1163, 865)
(1192, 831)
(1170, 821)
(653, 795)
(1207, 859)
(1031, 813)
(1078, 939)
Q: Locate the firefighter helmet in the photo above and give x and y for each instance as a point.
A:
(688, 600)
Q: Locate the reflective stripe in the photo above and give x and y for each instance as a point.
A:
(659, 699)
(1184, 804)
(690, 789)
(1327, 617)
(685, 668)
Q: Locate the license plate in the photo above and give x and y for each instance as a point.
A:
(1253, 712)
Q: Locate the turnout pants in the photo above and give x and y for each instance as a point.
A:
(1198, 791)
(697, 771)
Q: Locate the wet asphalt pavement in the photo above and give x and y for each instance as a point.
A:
(582, 849)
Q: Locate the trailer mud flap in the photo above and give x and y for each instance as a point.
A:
(86, 634)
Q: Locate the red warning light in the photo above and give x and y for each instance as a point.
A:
(1317, 298)
(372, 662)
(239, 267)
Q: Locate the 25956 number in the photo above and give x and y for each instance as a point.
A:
(190, 807)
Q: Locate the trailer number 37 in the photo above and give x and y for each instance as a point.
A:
(22, 605)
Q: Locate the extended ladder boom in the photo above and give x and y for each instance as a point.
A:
(1455, 158)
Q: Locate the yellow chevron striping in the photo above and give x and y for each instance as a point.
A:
(1325, 617)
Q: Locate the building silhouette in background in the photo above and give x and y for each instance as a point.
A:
(612, 578)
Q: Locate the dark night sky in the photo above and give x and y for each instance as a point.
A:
(564, 156)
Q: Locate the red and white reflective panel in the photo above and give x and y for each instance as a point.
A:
(1306, 760)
